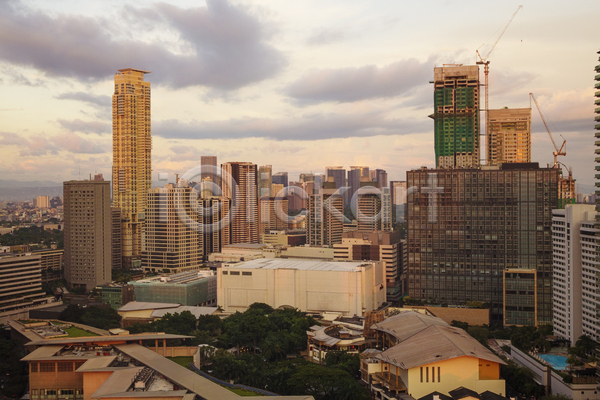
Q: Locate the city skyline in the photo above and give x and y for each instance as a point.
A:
(288, 87)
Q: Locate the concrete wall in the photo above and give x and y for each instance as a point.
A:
(181, 351)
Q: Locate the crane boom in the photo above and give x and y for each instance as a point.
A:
(484, 59)
(486, 70)
(557, 152)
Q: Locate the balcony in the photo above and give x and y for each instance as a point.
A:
(597, 102)
(597, 85)
(597, 77)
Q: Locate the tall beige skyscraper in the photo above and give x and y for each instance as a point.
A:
(244, 197)
(88, 233)
(325, 225)
(509, 137)
(132, 144)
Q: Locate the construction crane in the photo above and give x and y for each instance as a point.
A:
(486, 69)
(557, 152)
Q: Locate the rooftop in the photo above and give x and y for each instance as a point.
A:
(290, 263)
(407, 323)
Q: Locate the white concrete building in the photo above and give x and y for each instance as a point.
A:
(350, 288)
(573, 271)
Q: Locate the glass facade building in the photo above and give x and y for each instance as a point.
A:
(467, 226)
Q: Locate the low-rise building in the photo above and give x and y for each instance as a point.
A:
(191, 288)
(144, 312)
(423, 355)
(351, 288)
(116, 294)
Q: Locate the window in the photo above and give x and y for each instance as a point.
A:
(421, 374)
(247, 273)
(235, 273)
(46, 367)
(65, 367)
(427, 374)
(439, 375)
(34, 367)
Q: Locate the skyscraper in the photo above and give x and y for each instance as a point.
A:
(265, 180)
(170, 244)
(574, 272)
(132, 144)
(208, 161)
(509, 137)
(466, 226)
(244, 198)
(338, 174)
(456, 116)
(355, 175)
(324, 223)
(280, 178)
(88, 233)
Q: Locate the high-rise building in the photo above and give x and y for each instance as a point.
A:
(42, 202)
(240, 185)
(597, 167)
(117, 255)
(217, 223)
(456, 116)
(132, 145)
(21, 284)
(324, 223)
(574, 271)
(566, 189)
(172, 230)
(273, 211)
(377, 246)
(88, 233)
(398, 193)
(509, 136)
(210, 161)
(466, 226)
(280, 178)
(380, 176)
(355, 175)
(265, 180)
(338, 174)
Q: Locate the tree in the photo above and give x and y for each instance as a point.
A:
(72, 313)
(263, 307)
(12, 368)
(460, 324)
(101, 317)
(213, 324)
(586, 344)
(345, 361)
(559, 396)
(479, 333)
(325, 383)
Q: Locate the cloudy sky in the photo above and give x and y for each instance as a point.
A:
(299, 85)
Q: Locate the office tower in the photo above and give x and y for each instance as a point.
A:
(132, 144)
(368, 210)
(456, 116)
(398, 194)
(210, 161)
(386, 209)
(117, 255)
(295, 201)
(265, 175)
(21, 284)
(244, 197)
(280, 178)
(217, 223)
(42, 202)
(574, 271)
(325, 223)
(276, 188)
(509, 136)
(88, 233)
(338, 174)
(465, 227)
(566, 188)
(377, 246)
(380, 176)
(355, 175)
(308, 177)
(273, 213)
(172, 233)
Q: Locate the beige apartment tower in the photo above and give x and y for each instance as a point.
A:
(88, 233)
(509, 137)
(132, 144)
(172, 231)
(325, 220)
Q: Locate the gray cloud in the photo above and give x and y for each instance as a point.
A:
(352, 84)
(78, 125)
(228, 47)
(306, 127)
(74, 143)
(39, 145)
(95, 100)
(326, 36)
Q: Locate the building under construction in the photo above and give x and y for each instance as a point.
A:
(456, 116)
(509, 136)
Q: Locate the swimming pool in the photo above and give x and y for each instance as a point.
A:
(557, 362)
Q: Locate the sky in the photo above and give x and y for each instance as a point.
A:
(298, 85)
